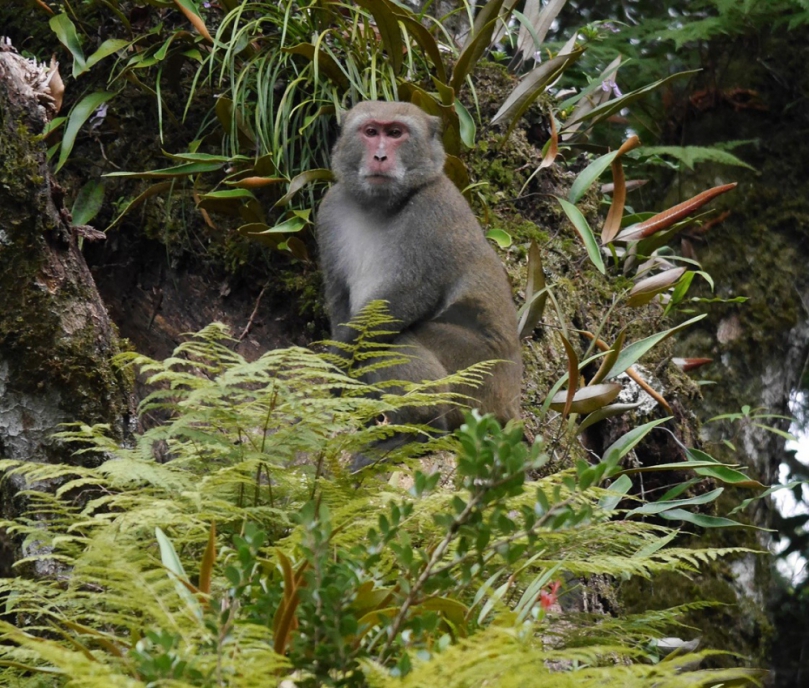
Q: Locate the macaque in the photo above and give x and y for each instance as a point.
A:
(395, 228)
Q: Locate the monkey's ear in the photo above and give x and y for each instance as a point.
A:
(435, 126)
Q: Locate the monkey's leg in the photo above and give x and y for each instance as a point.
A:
(457, 347)
(422, 365)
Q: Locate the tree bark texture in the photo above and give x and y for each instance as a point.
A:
(56, 339)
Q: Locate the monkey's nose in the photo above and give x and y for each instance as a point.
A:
(381, 158)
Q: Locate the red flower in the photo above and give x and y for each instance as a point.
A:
(549, 598)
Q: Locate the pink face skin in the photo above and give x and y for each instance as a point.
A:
(381, 139)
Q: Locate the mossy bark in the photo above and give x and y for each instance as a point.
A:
(56, 339)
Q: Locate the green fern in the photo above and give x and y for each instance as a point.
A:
(381, 585)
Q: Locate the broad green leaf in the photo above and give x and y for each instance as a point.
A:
(626, 443)
(169, 172)
(634, 352)
(584, 231)
(467, 124)
(108, 47)
(589, 175)
(500, 237)
(659, 507)
(88, 202)
(229, 202)
(65, 31)
(720, 471)
(616, 492)
(702, 520)
(293, 224)
(80, 113)
(301, 180)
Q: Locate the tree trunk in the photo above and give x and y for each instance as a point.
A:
(56, 339)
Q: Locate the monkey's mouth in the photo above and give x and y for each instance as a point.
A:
(378, 178)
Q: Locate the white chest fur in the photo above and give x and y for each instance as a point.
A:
(362, 257)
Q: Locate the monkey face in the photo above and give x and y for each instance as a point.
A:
(386, 151)
(382, 161)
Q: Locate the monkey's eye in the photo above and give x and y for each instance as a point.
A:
(370, 131)
(394, 133)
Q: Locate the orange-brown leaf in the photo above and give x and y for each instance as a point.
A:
(612, 224)
(553, 146)
(676, 213)
(196, 20)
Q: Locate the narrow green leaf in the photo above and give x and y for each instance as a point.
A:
(691, 155)
(78, 116)
(171, 561)
(609, 108)
(536, 295)
(774, 488)
(387, 22)
(532, 85)
(205, 157)
(609, 360)
(426, 40)
(634, 352)
(325, 62)
(227, 194)
(167, 172)
(720, 471)
(150, 191)
(606, 412)
(583, 228)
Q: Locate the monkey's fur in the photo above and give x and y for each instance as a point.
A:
(406, 235)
